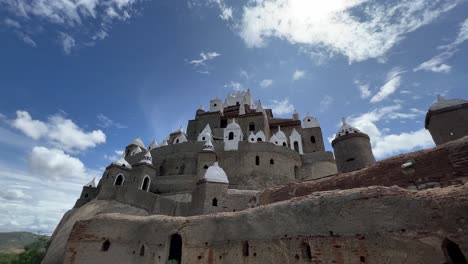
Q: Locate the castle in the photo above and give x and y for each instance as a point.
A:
(223, 192)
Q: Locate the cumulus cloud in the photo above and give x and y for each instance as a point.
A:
(90, 19)
(385, 144)
(363, 89)
(281, 107)
(236, 86)
(438, 63)
(200, 64)
(298, 74)
(62, 133)
(266, 83)
(54, 164)
(358, 29)
(392, 83)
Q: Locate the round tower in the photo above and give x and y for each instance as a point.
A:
(447, 119)
(352, 149)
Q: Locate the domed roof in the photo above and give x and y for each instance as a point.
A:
(346, 129)
(310, 121)
(122, 162)
(138, 142)
(443, 103)
(233, 125)
(216, 174)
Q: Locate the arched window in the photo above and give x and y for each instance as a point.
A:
(296, 172)
(257, 160)
(214, 202)
(312, 139)
(175, 249)
(452, 252)
(259, 140)
(105, 245)
(119, 180)
(284, 144)
(203, 138)
(142, 250)
(177, 141)
(231, 136)
(272, 161)
(251, 126)
(145, 184)
(296, 146)
(205, 167)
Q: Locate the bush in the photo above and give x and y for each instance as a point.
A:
(33, 254)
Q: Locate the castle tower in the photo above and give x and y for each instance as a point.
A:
(216, 105)
(352, 149)
(232, 136)
(88, 193)
(136, 146)
(312, 135)
(210, 191)
(447, 119)
(206, 158)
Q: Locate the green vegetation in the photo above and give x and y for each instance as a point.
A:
(33, 252)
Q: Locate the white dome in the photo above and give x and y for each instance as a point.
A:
(309, 122)
(346, 129)
(233, 125)
(122, 162)
(138, 142)
(443, 103)
(216, 174)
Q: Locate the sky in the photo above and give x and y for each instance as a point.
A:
(81, 79)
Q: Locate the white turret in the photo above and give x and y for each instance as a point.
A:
(232, 136)
(164, 143)
(208, 145)
(295, 141)
(282, 139)
(206, 132)
(215, 174)
(242, 109)
(138, 142)
(309, 122)
(147, 158)
(216, 105)
(92, 183)
(346, 129)
(153, 145)
(259, 107)
(252, 138)
(122, 162)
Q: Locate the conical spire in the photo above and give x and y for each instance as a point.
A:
(165, 143)
(153, 144)
(122, 162)
(92, 183)
(147, 158)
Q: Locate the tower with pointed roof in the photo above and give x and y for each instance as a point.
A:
(447, 119)
(352, 148)
(312, 138)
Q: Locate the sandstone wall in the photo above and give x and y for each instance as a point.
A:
(364, 225)
(444, 165)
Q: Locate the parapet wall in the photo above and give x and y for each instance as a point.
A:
(364, 225)
(441, 166)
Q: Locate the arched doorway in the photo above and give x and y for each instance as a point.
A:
(231, 136)
(145, 184)
(453, 252)
(296, 146)
(175, 250)
(119, 180)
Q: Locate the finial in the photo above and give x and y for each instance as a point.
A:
(343, 119)
(440, 98)
(279, 128)
(233, 120)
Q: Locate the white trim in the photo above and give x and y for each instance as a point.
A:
(123, 177)
(143, 181)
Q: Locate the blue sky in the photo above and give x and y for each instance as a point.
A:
(82, 79)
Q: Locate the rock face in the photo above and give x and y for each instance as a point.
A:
(363, 225)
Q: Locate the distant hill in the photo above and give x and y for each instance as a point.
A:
(14, 242)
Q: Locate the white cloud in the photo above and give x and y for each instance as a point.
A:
(226, 11)
(54, 164)
(437, 63)
(282, 107)
(335, 26)
(266, 83)
(325, 103)
(235, 86)
(385, 144)
(204, 57)
(363, 89)
(67, 42)
(298, 74)
(392, 83)
(62, 133)
(91, 19)
(245, 74)
(105, 122)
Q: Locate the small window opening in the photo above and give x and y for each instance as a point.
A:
(215, 105)
(350, 159)
(272, 161)
(223, 123)
(452, 252)
(105, 245)
(231, 136)
(245, 248)
(259, 140)
(142, 250)
(119, 180)
(203, 138)
(306, 251)
(257, 160)
(214, 202)
(308, 119)
(251, 127)
(312, 139)
(252, 139)
(205, 167)
(284, 144)
(177, 141)
(86, 196)
(362, 259)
